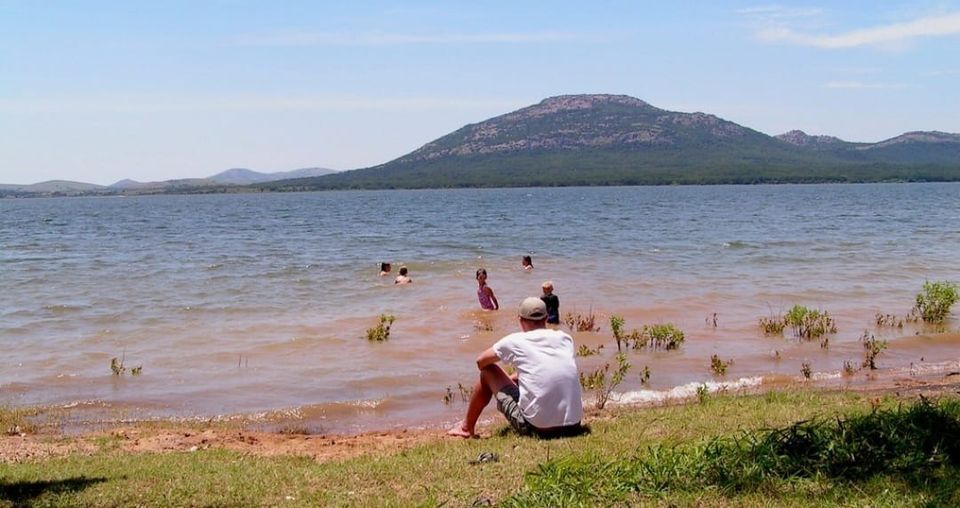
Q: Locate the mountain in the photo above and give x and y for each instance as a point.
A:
(621, 140)
(241, 176)
(181, 184)
(820, 143)
(51, 187)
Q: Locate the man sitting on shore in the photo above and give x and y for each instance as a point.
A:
(544, 398)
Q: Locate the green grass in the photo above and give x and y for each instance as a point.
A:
(714, 453)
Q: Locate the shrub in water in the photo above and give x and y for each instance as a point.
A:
(581, 322)
(872, 347)
(772, 325)
(809, 323)
(664, 336)
(585, 350)
(616, 325)
(381, 332)
(645, 375)
(888, 320)
(934, 302)
(718, 366)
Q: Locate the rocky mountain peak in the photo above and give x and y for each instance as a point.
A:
(797, 137)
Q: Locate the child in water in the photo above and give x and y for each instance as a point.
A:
(552, 303)
(402, 278)
(484, 292)
(526, 263)
(384, 269)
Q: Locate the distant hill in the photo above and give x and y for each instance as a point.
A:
(51, 187)
(241, 176)
(621, 140)
(230, 180)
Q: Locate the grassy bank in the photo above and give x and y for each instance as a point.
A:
(713, 453)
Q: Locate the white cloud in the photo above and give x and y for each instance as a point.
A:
(780, 12)
(247, 103)
(397, 39)
(859, 85)
(886, 35)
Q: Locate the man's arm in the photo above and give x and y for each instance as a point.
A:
(487, 358)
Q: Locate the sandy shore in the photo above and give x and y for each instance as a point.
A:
(167, 437)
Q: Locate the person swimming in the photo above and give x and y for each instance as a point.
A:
(526, 263)
(402, 278)
(488, 301)
(384, 269)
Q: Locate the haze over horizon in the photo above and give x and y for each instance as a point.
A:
(98, 92)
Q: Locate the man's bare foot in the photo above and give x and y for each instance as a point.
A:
(459, 431)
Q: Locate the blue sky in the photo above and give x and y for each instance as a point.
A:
(100, 91)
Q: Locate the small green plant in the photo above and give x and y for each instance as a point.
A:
(602, 383)
(616, 325)
(645, 375)
(702, 393)
(584, 350)
(934, 301)
(118, 369)
(381, 332)
(888, 321)
(806, 370)
(582, 322)
(116, 366)
(809, 323)
(718, 366)
(465, 393)
(849, 368)
(872, 347)
(772, 325)
(662, 336)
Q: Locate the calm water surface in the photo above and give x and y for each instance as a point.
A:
(258, 304)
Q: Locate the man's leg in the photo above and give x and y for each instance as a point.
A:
(492, 380)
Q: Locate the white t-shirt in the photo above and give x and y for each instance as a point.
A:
(549, 379)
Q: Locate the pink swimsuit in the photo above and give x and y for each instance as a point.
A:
(485, 302)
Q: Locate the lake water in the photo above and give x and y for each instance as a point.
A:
(257, 304)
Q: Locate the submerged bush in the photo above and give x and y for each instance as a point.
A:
(718, 366)
(888, 321)
(872, 347)
(616, 326)
(584, 350)
(663, 336)
(381, 332)
(934, 302)
(772, 325)
(809, 323)
(581, 322)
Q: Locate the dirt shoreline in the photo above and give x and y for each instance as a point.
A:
(177, 437)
